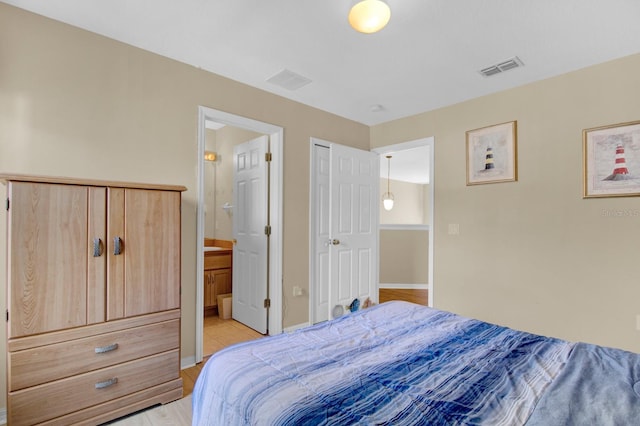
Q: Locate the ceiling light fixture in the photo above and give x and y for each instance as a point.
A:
(369, 16)
(387, 197)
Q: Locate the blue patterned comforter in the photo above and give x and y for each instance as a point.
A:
(392, 364)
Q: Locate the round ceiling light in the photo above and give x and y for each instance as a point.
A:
(369, 16)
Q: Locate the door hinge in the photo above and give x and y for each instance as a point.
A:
(267, 303)
(7, 315)
(7, 204)
(267, 157)
(267, 230)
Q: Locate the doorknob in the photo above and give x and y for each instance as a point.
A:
(335, 242)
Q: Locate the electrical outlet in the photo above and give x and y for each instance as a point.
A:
(454, 229)
(638, 322)
(297, 291)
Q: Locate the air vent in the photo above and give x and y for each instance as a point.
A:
(289, 80)
(507, 65)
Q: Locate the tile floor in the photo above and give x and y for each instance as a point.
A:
(220, 333)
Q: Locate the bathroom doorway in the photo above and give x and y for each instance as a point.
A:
(218, 134)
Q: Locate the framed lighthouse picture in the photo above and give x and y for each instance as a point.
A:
(492, 154)
(612, 160)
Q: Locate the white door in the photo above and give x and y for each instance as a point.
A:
(345, 222)
(250, 200)
(354, 226)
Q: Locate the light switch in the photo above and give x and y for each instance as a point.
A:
(454, 229)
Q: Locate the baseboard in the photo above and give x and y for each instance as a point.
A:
(3, 416)
(404, 286)
(187, 362)
(295, 327)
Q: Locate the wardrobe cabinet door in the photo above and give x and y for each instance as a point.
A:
(96, 255)
(116, 249)
(47, 262)
(152, 251)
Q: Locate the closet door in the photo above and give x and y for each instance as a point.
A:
(354, 211)
(48, 239)
(344, 221)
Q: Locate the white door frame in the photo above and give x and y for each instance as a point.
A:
(430, 143)
(276, 207)
(312, 234)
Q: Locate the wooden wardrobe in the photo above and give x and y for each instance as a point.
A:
(93, 299)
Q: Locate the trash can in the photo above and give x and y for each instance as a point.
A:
(224, 305)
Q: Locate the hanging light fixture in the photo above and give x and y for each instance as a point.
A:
(387, 197)
(369, 16)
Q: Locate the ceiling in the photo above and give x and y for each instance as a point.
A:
(408, 165)
(427, 57)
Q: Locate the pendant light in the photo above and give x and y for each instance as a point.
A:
(387, 197)
(369, 16)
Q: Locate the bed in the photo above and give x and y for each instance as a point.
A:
(399, 363)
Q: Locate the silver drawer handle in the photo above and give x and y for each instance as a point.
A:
(107, 348)
(106, 383)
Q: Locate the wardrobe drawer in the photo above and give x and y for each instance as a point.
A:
(44, 364)
(217, 261)
(51, 400)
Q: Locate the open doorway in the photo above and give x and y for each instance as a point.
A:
(218, 134)
(406, 230)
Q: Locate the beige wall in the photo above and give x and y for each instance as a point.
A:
(410, 203)
(403, 256)
(77, 104)
(534, 254)
(210, 169)
(426, 207)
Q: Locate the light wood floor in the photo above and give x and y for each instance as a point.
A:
(416, 296)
